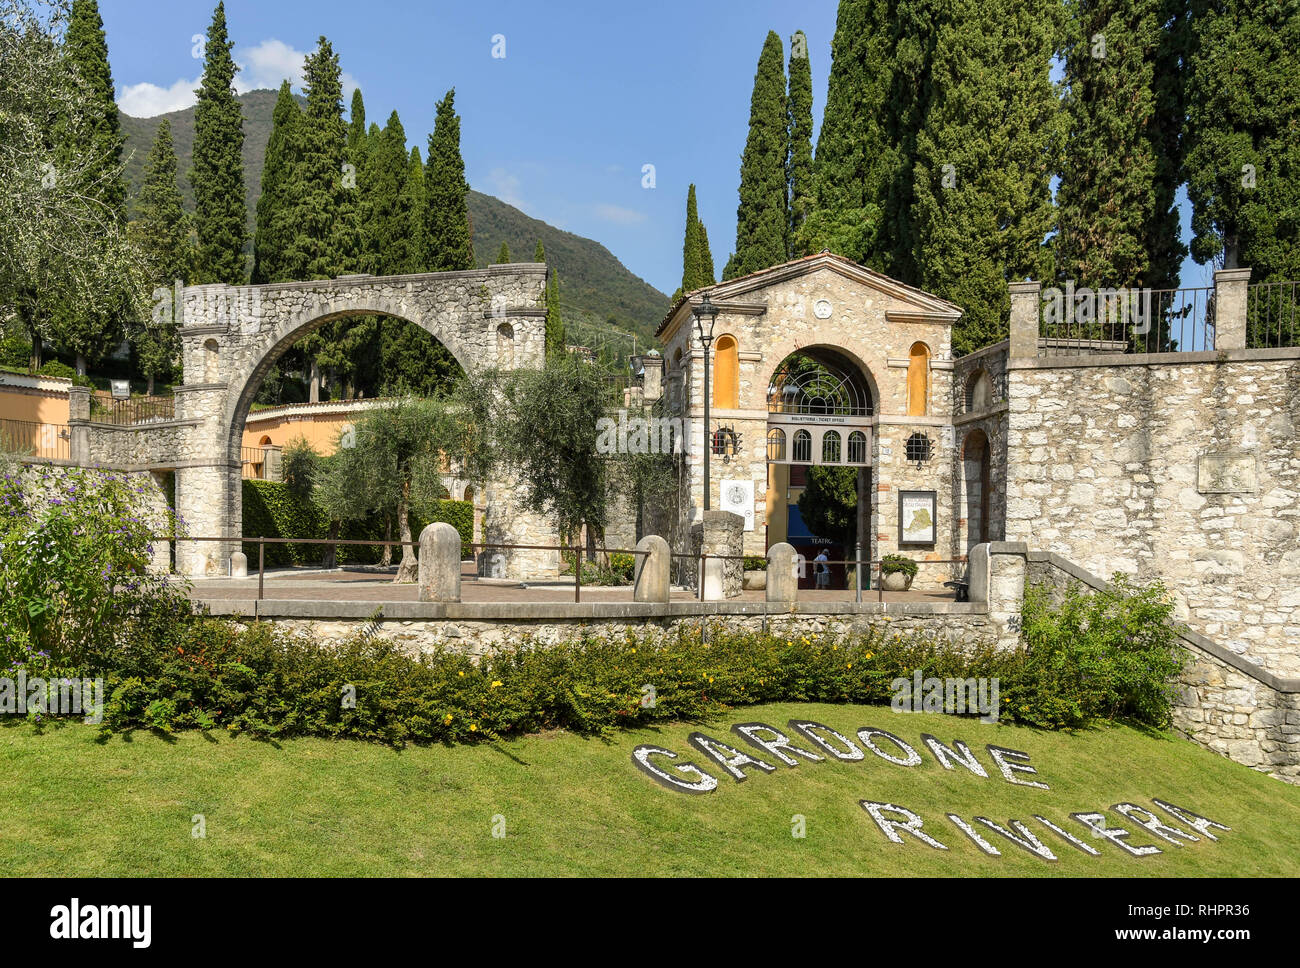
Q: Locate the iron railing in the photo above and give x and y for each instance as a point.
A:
(1107, 321)
(958, 565)
(38, 441)
(137, 410)
(1273, 315)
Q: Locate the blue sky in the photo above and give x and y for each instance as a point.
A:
(588, 93)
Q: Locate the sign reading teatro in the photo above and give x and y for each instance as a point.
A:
(766, 749)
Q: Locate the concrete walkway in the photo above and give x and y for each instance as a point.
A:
(377, 586)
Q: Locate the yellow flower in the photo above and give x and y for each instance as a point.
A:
(850, 665)
(462, 673)
(473, 727)
(495, 683)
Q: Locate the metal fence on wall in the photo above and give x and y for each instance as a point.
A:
(1078, 322)
(1272, 315)
(40, 441)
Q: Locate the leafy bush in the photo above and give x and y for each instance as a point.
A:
(755, 563)
(273, 510)
(74, 547)
(892, 563)
(1110, 655)
(15, 350)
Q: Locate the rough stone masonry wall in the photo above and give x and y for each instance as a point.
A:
(1225, 702)
(1186, 471)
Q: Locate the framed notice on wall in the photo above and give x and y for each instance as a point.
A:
(916, 517)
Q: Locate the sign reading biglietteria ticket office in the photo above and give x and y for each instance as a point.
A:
(812, 742)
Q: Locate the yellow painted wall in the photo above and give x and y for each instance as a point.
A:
(726, 373)
(36, 406)
(319, 430)
(918, 380)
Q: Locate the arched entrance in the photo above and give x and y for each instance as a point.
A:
(232, 336)
(976, 485)
(820, 419)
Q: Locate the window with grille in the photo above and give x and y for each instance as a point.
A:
(918, 449)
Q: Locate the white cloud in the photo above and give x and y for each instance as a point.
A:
(147, 100)
(265, 65)
(505, 186)
(619, 215)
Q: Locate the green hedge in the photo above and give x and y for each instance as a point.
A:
(271, 510)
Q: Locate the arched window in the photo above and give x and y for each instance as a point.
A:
(918, 449)
(265, 441)
(978, 391)
(857, 447)
(831, 447)
(776, 444)
(506, 345)
(211, 353)
(918, 380)
(802, 447)
(726, 373)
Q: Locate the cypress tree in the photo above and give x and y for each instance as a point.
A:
(89, 334)
(86, 49)
(697, 262)
(853, 161)
(985, 158)
(357, 132)
(412, 205)
(762, 219)
(799, 162)
(446, 213)
(1243, 152)
(275, 204)
(162, 231)
(386, 206)
(914, 30)
(503, 254)
(218, 169)
(539, 253)
(1115, 204)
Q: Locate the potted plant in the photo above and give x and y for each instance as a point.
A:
(897, 572)
(755, 572)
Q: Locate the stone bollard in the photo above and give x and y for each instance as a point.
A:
(439, 576)
(650, 579)
(719, 533)
(782, 573)
(239, 565)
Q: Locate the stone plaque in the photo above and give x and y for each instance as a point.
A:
(822, 309)
(738, 498)
(1226, 474)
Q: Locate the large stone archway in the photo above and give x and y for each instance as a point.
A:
(231, 336)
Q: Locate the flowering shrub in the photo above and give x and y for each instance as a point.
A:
(74, 547)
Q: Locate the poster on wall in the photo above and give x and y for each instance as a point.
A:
(916, 514)
(738, 498)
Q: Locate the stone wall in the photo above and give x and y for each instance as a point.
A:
(479, 630)
(1225, 702)
(1186, 468)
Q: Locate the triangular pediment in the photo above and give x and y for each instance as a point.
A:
(916, 304)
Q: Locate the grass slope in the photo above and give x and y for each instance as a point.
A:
(71, 805)
(594, 284)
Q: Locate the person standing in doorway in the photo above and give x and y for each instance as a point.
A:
(823, 570)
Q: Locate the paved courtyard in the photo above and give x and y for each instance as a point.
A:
(371, 585)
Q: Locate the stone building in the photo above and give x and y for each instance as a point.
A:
(821, 361)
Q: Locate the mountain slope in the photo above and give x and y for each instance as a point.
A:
(596, 290)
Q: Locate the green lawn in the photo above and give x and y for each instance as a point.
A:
(72, 805)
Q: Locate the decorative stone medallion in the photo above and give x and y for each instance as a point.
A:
(822, 309)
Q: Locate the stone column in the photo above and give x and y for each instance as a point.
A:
(652, 380)
(1230, 308)
(1004, 587)
(650, 581)
(1025, 299)
(439, 577)
(203, 505)
(720, 533)
(782, 573)
(78, 431)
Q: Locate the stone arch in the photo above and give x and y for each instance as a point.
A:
(975, 481)
(288, 333)
(979, 390)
